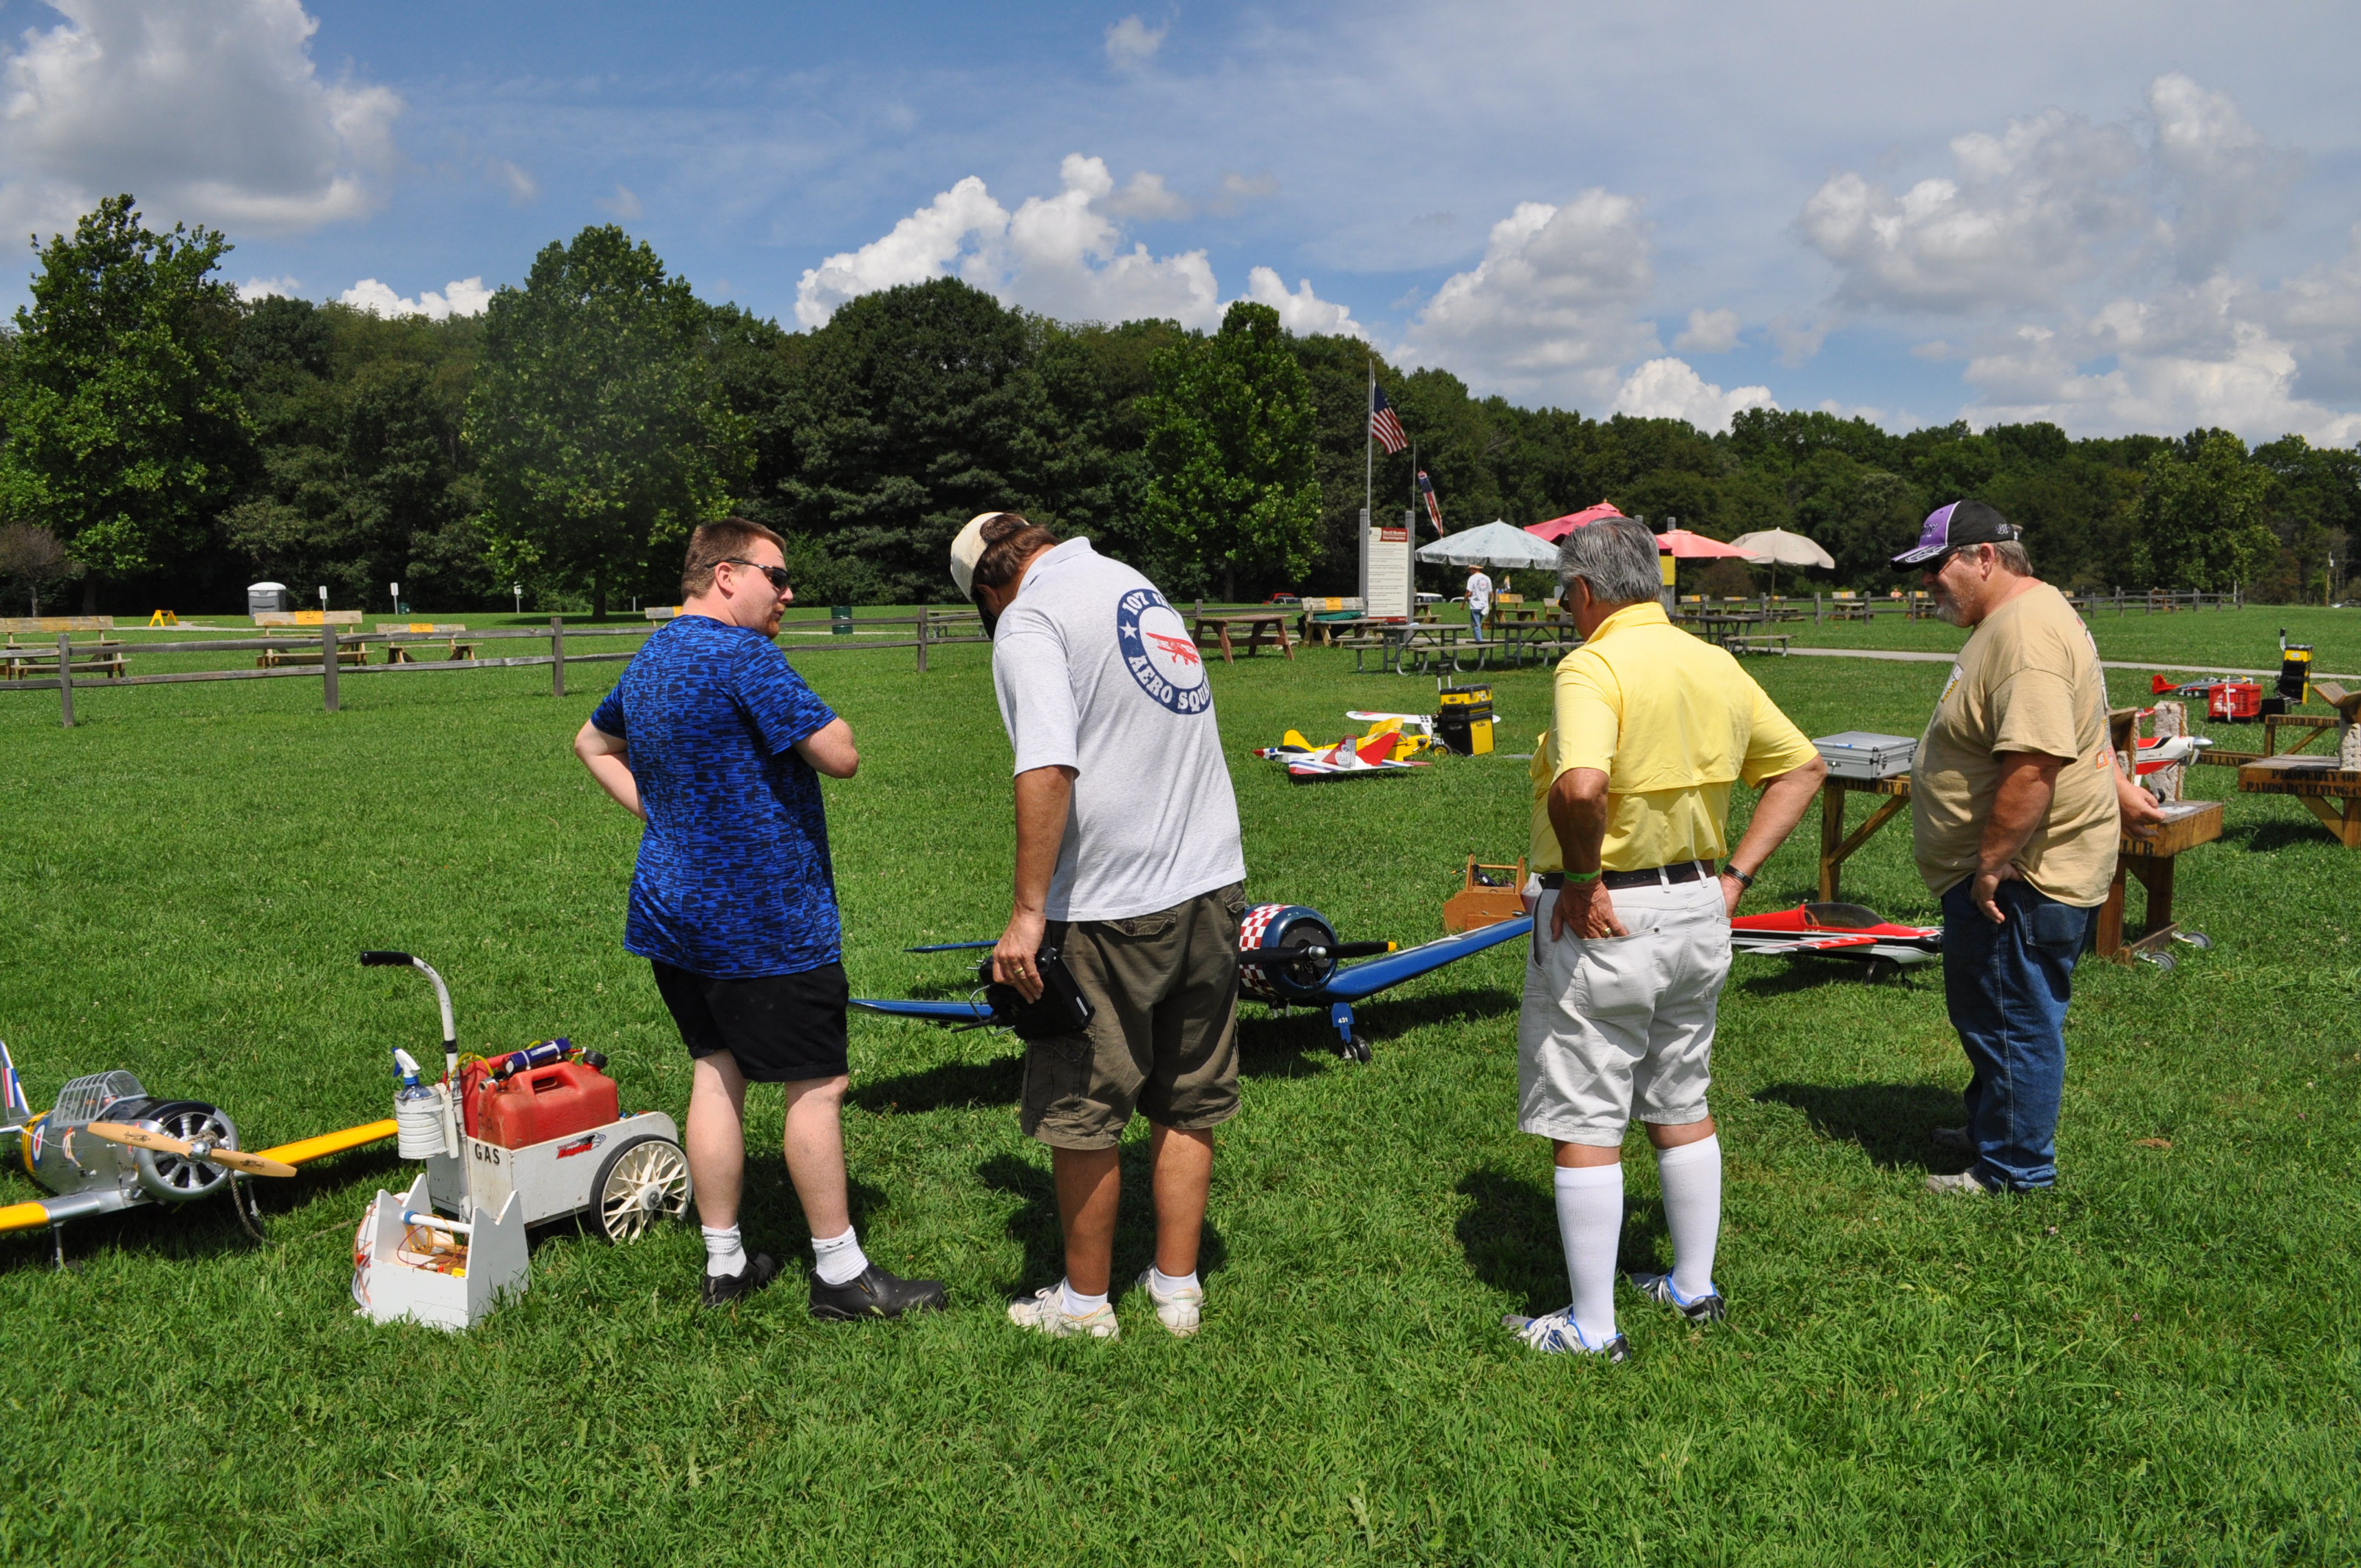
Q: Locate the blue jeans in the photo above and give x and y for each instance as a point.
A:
(1476, 624)
(2007, 986)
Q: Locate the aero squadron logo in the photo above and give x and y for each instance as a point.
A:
(1160, 653)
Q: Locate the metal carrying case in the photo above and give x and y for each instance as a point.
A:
(1858, 754)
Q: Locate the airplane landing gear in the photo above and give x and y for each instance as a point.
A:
(1351, 1044)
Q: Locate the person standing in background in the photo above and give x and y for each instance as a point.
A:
(1480, 599)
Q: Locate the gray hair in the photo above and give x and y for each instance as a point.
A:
(2011, 555)
(1616, 555)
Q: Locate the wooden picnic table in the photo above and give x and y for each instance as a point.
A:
(24, 661)
(1723, 628)
(1837, 846)
(1260, 620)
(2187, 824)
(405, 649)
(273, 658)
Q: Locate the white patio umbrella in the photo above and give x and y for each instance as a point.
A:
(1775, 547)
(1496, 544)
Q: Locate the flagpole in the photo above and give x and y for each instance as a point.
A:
(1369, 450)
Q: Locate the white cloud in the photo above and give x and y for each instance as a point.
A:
(211, 110)
(1132, 43)
(1301, 313)
(266, 288)
(2229, 181)
(1710, 331)
(1236, 190)
(1669, 388)
(1146, 197)
(1064, 256)
(623, 204)
(1552, 306)
(460, 297)
(522, 189)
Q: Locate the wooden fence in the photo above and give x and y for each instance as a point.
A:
(930, 629)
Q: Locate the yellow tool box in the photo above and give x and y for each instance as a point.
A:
(1463, 720)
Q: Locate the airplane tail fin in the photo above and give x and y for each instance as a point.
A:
(14, 1107)
(1377, 749)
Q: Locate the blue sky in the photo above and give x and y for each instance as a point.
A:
(2116, 216)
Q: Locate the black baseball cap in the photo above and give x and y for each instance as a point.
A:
(1949, 527)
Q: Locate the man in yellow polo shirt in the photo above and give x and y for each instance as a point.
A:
(1632, 935)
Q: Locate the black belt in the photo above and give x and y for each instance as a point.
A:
(1654, 876)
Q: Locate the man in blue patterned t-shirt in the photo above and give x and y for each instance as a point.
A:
(714, 742)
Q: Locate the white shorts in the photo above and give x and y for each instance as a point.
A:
(1614, 1027)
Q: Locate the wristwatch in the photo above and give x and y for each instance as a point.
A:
(1745, 880)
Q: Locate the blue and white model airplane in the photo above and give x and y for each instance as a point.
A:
(1288, 956)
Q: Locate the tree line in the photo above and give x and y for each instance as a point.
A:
(163, 442)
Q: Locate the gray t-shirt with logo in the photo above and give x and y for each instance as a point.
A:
(1096, 672)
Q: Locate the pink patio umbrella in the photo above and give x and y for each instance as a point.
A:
(1680, 543)
(1558, 528)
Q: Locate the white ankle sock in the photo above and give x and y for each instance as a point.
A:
(1590, 1222)
(725, 1251)
(1171, 1285)
(1692, 1178)
(1078, 1305)
(839, 1258)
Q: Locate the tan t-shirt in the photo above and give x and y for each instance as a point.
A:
(2028, 680)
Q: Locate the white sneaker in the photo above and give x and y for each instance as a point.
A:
(1556, 1333)
(1962, 1181)
(1181, 1311)
(1044, 1311)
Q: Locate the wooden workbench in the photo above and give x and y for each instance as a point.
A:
(2187, 824)
(2332, 792)
(1836, 846)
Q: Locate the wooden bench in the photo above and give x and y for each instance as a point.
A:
(273, 658)
(1761, 642)
(403, 643)
(31, 661)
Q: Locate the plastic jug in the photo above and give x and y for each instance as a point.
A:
(548, 1103)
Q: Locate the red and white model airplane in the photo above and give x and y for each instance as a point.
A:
(1835, 931)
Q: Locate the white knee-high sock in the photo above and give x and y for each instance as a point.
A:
(1590, 1222)
(1692, 1178)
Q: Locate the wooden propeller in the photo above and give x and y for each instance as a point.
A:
(141, 1138)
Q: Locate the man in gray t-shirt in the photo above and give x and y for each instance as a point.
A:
(1128, 866)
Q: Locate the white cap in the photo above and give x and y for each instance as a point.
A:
(967, 550)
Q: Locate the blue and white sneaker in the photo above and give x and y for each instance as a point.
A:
(1709, 1308)
(1555, 1333)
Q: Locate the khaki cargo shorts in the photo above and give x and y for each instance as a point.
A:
(1618, 1027)
(1163, 1034)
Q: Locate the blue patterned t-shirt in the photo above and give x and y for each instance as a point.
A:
(733, 878)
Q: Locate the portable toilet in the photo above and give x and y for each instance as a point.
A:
(265, 598)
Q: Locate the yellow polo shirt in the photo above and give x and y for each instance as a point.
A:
(1671, 720)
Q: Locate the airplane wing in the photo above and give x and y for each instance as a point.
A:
(57, 1210)
(307, 1149)
(934, 1012)
(1744, 943)
(1354, 981)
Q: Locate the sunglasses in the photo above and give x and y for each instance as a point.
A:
(778, 574)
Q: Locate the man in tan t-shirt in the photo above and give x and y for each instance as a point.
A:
(2017, 808)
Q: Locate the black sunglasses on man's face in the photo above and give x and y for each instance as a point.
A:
(778, 574)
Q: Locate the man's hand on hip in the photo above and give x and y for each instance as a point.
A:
(1733, 890)
(1012, 959)
(1985, 892)
(1584, 908)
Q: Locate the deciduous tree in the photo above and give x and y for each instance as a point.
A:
(1229, 429)
(596, 417)
(2201, 514)
(125, 433)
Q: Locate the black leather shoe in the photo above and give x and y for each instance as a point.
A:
(721, 1289)
(873, 1293)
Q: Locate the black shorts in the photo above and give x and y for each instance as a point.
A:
(782, 1028)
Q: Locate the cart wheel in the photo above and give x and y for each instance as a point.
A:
(642, 1182)
(1358, 1049)
(2197, 939)
(2161, 960)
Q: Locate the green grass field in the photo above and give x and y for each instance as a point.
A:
(2157, 1362)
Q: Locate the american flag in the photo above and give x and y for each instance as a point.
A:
(1433, 507)
(1384, 423)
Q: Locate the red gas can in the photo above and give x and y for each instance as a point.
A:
(549, 1102)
